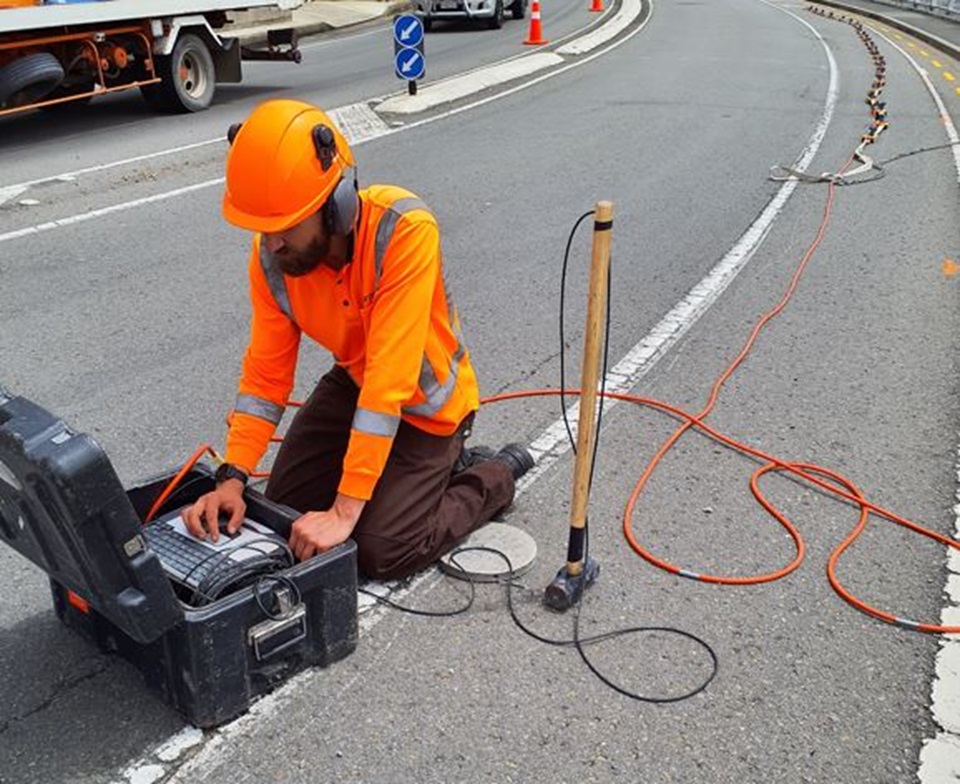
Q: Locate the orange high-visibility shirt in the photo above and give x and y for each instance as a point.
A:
(387, 319)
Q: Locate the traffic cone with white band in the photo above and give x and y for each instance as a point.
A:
(535, 36)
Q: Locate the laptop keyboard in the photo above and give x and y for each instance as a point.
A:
(189, 559)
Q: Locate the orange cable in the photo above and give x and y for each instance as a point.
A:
(172, 484)
(803, 471)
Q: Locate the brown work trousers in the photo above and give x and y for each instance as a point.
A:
(418, 511)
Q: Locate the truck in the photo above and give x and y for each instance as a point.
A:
(61, 53)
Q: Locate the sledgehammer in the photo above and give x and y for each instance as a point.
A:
(579, 573)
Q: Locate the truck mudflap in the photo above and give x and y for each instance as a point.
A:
(282, 44)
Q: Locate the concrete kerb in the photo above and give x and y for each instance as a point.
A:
(935, 41)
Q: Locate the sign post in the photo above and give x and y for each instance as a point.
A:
(408, 58)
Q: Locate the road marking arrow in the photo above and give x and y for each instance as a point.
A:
(410, 30)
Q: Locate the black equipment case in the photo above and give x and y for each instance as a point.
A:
(63, 507)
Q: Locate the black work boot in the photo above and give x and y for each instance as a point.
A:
(471, 456)
(516, 457)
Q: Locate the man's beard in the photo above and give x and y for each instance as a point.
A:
(298, 263)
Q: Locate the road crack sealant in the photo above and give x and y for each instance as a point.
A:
(62, 688)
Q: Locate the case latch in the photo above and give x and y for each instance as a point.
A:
(277, 634)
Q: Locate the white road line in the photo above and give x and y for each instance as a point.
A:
(70, 176)
(73, 220)
(940, 755)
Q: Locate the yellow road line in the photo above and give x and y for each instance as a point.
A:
(948, 76)
(936, 64)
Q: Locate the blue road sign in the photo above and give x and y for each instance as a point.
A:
(410, 63)
(408, 30)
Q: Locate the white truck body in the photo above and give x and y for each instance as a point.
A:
(43, 17)
(174, 51)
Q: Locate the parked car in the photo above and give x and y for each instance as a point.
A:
(490, 12)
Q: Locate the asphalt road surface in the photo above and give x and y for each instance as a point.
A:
(130, 325)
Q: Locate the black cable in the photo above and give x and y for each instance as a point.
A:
(226, 573)
(282, 579)
(579, 642)
(434, 613)
(920, 150)
(563, 345)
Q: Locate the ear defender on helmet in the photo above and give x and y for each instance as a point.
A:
(339, 211)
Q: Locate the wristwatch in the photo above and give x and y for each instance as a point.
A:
(229, 471)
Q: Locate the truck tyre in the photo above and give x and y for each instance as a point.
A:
(519, 9)
(29, 79)
(187, 78)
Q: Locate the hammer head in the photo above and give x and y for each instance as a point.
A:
(566, 589)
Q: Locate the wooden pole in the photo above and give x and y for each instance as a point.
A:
(589, 381)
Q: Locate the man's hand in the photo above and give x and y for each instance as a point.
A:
(202, 517)
(316, 532)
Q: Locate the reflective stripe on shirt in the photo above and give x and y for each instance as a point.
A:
(374, 423)
(259, 407)
(436, 394)
(385, 228)
(274, 276)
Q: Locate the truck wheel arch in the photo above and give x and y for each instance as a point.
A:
(187, 77)
(224, 51)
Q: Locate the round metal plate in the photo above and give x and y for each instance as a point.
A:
(485, 566)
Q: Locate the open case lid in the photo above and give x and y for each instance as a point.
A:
(63, 507)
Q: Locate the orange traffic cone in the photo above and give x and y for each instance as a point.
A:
(535, 36)
(597, 5)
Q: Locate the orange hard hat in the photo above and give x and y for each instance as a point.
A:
(284, 161)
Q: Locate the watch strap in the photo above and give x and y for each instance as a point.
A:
(229, 471)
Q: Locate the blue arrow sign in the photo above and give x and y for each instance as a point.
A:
(410, 63)
(408, 30)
